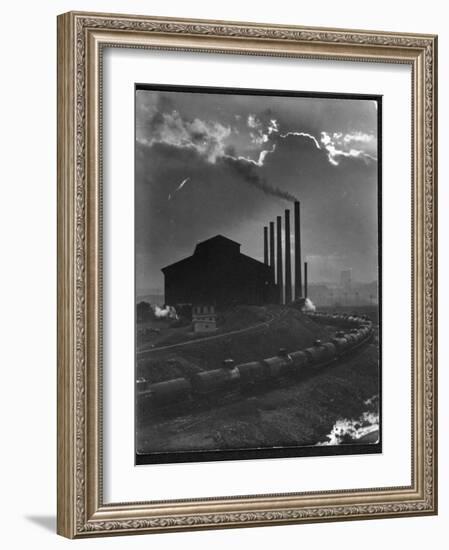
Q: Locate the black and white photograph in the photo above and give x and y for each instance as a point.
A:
(257, 274)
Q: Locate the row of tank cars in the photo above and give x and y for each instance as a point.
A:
(353, 331)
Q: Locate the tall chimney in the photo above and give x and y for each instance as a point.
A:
(272, 249)
(265, 245)
(279, 260)
(305, 280)
(288, 261)
(298, 263)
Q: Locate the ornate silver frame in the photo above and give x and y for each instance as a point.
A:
(81, 37)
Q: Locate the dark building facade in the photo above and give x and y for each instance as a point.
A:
(219, 274)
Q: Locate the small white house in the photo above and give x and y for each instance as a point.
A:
(204, 319)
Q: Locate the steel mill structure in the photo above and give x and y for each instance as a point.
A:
(284, 285)
(219, 275)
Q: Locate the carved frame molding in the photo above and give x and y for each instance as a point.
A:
(81, 38)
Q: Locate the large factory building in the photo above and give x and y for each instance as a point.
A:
(219, 274)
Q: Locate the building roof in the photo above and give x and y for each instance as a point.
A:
(218, 238)
(216, 244)
(219, 241)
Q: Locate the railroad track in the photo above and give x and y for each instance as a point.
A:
(274, 316)
(354, 332)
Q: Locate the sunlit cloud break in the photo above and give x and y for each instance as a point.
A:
(260, 135)
(205, 137)
(273, 126)
(262, 156)
(211, 141)
(356, 145)
(301, 134)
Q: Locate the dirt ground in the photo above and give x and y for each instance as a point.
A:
(296, 413)
(252, 339)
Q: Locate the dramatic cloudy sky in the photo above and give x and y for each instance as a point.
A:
(209, 164)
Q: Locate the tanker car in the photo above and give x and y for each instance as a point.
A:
(353, 332)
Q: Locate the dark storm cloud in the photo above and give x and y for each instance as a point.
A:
(208, 164)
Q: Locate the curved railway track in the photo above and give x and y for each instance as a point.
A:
(273, 317)
(353, 332)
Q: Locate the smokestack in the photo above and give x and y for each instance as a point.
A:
(298, 263)
(288, 261)
(279, 260)
(272, 249)
(265, 245)
(305, 280)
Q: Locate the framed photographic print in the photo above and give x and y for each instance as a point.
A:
(246, 276)
(233, 359)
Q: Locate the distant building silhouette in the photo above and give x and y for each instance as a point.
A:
(346, 278)
(219, 274)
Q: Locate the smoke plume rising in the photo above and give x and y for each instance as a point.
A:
(168, 312)
(248, 171)
(308, 305)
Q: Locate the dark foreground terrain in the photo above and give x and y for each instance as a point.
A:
(336, 405)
